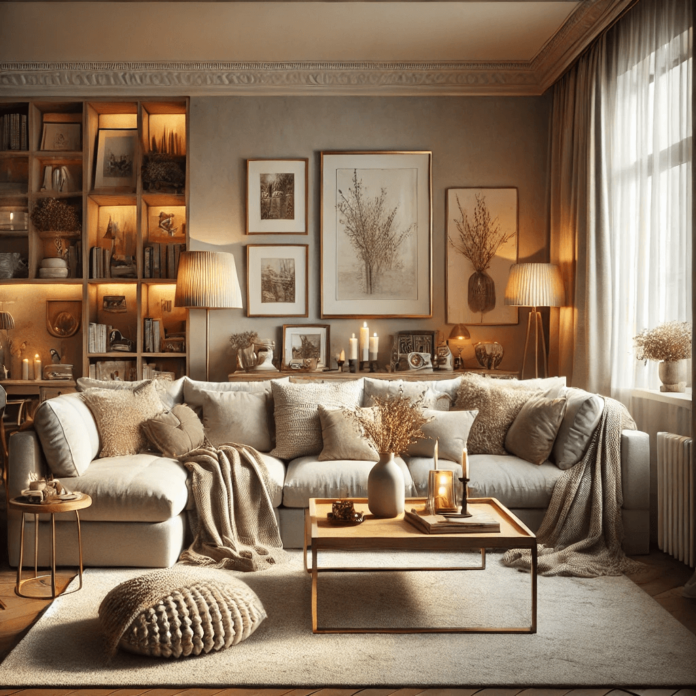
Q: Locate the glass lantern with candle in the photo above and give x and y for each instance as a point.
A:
(441, 490)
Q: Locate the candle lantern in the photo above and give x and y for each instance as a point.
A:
(441, 491)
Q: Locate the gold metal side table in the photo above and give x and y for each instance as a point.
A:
(52, 509)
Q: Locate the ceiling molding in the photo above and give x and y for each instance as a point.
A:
(525, 78)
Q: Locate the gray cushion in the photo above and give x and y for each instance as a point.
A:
(68, 434)
(341, 437)
(307, 478)
(451, 427)
(175, 432)
(579, 422)
(532, 433)
(411, 389)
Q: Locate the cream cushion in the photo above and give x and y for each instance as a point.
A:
(170, 392)
(341, 438)
(451, 428)
(68, 434)
(239, 417)
(551, 387)
(582, 415)
(194, 390)
(532, 433)
(307, 478)
(411, 389)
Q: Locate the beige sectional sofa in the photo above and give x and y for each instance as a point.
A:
(139, 513)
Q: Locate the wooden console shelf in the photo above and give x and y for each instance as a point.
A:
(334, 374)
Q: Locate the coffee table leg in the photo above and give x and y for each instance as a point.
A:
(79, 544)
(534, 589)
(21, 557)
(306, 541)
(53, 556)
(314, 590)
(36, 546)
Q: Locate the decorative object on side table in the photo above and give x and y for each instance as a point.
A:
(394, 423)
(415, 350)
(240, 343)
(264, 349)
(670, 345)
(489, 354)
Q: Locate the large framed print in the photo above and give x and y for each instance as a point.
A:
(277, 196)
(376, 234)
(482, 242)
(304, 343)
(277, 280)
(116, 167)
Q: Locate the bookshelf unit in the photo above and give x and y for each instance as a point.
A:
(120, 220)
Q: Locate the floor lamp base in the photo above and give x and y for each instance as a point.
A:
(535, 319)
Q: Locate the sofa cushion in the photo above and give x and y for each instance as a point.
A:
(532, 433)
(175, 432)
(451, 428)
(170, 392)
(551, 387)
(276, 473)
(341, 437)
(240, 417)
(137, 488)
(194, 390)
(577, 427)
(68, 434)
(307, 478)
(411, 389)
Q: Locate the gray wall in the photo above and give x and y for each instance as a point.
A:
(475, 141)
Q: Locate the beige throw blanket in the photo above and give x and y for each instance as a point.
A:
(236, 527)
(582, 530)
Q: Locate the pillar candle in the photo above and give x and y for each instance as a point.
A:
(25, 368)
(436, 453)
(365, 341)
(342, 357)
(353, 347)
(38, 367)
(465, 463)
(374, 347)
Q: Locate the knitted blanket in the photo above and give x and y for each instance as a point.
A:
(234, 521)
(582, 530)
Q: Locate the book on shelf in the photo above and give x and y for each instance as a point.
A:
(162, 260)
(13, 132)
(151, 333)
(99, 263)
(479, 522)
(98, 337)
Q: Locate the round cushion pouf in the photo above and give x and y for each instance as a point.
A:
(180, 611)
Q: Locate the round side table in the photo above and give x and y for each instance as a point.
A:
(52, 509)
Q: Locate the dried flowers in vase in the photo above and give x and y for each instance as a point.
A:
(53, 215)
(241, 342)
(669, 342)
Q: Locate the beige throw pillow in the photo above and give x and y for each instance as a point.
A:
(342, 440)
(298, 427)
(533, 432)
(120, 414)
(175, 432)
(451, 427)
(497, 407)
(239, 417)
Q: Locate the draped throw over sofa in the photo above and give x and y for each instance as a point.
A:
(141, 502)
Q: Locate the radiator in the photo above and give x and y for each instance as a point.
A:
(676, 497)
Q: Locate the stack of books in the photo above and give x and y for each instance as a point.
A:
(479, 522)
(162, 260)
(99, 337)
(100, 262)
(13, 132)
(151, 335)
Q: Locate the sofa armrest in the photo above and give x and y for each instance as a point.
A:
(26, 457)
(635, 469)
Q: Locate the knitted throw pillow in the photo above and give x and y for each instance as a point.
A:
(120, 414)
(298, 427)
(175, 432)
(497, 407)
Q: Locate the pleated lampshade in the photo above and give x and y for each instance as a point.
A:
(535, 285)
(207, 280)
(6, 320)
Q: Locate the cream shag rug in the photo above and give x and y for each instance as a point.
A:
(591, 632)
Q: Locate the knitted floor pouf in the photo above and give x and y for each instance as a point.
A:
(179, 612)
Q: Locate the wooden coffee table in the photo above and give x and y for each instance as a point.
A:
(376, 534)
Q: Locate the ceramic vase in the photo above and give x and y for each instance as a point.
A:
(385, 487)
(481, 292)
(672, 374)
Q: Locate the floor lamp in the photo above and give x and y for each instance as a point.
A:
(535, 285)
(207, 280)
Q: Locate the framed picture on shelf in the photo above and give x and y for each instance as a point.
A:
(277, 280)
(376, 234)
(481, 247)
(61, 137)
(116, 151)
(303, 343)
(277, 196)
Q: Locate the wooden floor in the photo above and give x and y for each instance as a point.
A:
(662, 577)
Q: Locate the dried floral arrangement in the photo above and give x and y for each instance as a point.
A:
(244, 339)
(53, 215)
(393, 424)
(669, 342)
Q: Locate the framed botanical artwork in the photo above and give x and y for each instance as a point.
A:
(376, 234)
(277, 196)
(481, 247)
(277, 280)
(302, 343)
(116, 150)
(61, 137)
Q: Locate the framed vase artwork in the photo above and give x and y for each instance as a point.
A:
(482, 238)
(277, 196)
(116, 151)
(277, 280)
(303, 344)
(376, 234)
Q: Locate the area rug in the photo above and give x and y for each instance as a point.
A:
(591, 632)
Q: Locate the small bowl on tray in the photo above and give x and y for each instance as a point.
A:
(356, 519)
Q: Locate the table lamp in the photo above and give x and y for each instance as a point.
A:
(459, 333)
(535, 285)
(207, 280)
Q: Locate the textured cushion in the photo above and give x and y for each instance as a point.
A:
(498, 407)
(239, 417)
(532, 433)
(298, 427)
(411, 389)
(175, 432)
(551, 387)
(120, 414)
(581, 418)
(451, 427)
(341, 438)
(137, 488)
(68, 434)
(170, 392)
(307, 478)
(180, 612)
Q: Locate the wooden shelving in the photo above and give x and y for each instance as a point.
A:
(129, 208)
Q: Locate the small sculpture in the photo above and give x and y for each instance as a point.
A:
(264, 356)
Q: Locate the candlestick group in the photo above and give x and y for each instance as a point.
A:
(369, 346)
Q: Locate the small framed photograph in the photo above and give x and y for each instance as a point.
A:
(61, 137)
(277, 196)
(305, 343)
(277, 280)
(116, 150)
